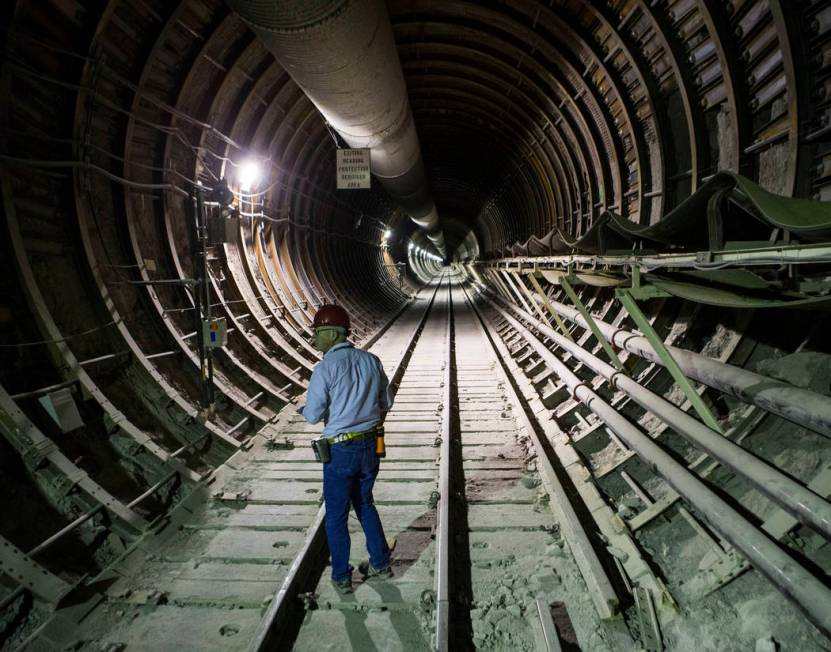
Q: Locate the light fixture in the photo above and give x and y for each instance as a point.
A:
(248, 174)
(387, 234)
(410, 246)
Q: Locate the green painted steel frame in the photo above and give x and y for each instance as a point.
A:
(610, 352)
(625, 296)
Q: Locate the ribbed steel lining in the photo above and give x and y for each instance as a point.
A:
(287, 17)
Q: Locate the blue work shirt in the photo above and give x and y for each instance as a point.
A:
(348, 390)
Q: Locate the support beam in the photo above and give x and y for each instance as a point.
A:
(590, 322)
(29, 574)
(530, 297)
(796, 404)
(557, 319)
(667, 360)
(809, 508)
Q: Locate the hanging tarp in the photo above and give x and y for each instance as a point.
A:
(728, 207)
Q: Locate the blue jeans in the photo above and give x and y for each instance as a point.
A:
(347, 480)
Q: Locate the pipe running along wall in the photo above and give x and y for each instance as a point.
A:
(343, 55)
(801, 406)
(793, 579)
(805, 505)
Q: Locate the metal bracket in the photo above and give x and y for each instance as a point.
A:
(642, 292)
(628, 301)
(647, 292)
(559, 320)
(723, 570)
(610, 352)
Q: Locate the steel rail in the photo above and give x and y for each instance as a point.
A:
(442, 583)
(806, 506)
(601, 591)
(795, 581)
(801, 406)
(266, 637)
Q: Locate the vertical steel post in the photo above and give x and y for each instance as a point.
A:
(203, 294)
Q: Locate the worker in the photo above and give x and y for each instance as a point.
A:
(350, 392)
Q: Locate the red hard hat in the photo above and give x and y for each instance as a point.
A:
(331, 315)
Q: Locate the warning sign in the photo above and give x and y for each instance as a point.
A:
(353, 169)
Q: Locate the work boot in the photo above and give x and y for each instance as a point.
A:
(344, 587)
(366, 569)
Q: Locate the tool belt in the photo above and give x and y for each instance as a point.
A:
(349, 437)
(321, 445)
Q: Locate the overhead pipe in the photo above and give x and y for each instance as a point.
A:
(766, 555)
(342, 53)
(806, 506)
(800, 406)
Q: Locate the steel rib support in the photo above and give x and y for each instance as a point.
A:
(443, 517)
(795, 581)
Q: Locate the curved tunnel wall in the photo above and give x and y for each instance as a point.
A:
(531, 118)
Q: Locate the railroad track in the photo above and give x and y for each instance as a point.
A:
(242, 564)
(477, 490)
(479, 558)
(395, 614)
(204, 577)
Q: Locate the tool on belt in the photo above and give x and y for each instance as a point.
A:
(322, 445)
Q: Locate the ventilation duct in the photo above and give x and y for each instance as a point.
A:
(343, 55)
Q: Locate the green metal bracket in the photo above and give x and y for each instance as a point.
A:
(592, 325)
(559, 320)
(628, 301)
(643, 292)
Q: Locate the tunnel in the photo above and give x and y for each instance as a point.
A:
(589, 242)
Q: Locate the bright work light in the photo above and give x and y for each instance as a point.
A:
(248, 174)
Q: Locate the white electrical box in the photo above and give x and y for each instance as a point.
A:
(215, 333)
